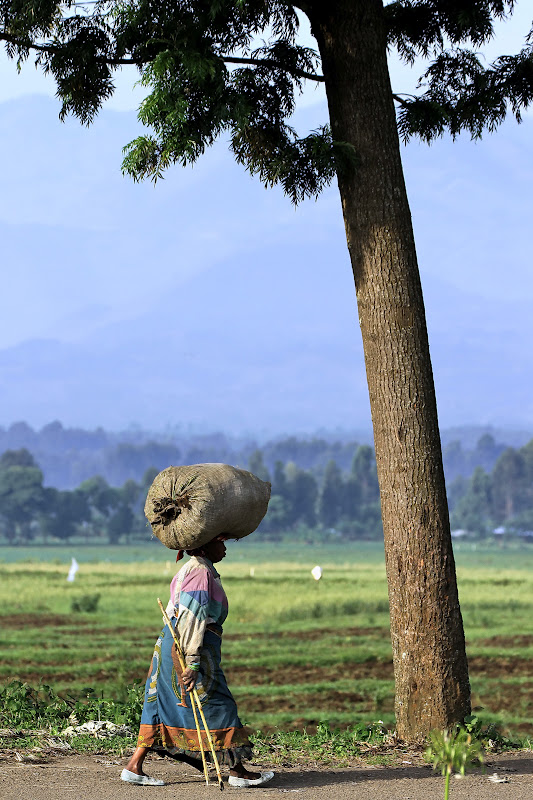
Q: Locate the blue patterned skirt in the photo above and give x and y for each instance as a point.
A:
(167, 721)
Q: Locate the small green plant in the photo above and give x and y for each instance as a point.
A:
(489, 735)
(87, 603)
(453, 751)
(327, 745)
(24, 707)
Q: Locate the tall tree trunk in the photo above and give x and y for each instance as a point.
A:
(430, 667)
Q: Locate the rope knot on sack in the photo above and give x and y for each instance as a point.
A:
(167, 509)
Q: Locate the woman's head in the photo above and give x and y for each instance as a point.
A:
(215, 550)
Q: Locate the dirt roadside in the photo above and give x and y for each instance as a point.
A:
(97, 778)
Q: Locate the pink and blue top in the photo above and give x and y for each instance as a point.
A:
(197, 600)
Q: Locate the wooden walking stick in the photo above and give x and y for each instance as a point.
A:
(193, 705)
(195, 701)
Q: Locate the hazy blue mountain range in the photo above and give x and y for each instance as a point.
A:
(211, 301)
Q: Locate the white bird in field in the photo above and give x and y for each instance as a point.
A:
(316, 572)
(74, 567)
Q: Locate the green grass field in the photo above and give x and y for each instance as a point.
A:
(296, 652)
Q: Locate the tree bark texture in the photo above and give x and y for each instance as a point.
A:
(430, 666)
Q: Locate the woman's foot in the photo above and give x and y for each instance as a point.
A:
(135, 764)
(240, 777)
(133, 772)
(242, 772)
(139, 778)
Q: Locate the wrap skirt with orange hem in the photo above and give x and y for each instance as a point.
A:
(167, 720)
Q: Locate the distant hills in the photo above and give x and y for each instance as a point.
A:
(68, 456)
(209, 301)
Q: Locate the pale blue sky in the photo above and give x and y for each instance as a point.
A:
(81, 244)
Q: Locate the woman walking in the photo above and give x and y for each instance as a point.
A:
(197, 609)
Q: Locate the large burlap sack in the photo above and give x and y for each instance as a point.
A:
(189, 506)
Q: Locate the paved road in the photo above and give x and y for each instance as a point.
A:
(97, 778)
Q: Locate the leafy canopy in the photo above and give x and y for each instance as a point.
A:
(235, 67)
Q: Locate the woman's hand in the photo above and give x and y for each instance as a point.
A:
(189, 677)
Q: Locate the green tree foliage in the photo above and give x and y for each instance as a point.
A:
(454, 459)
(302, 493)
(458, 461)
(101, 497)
(277, 519)
(313, 453)
(509, 482)
(102, 501)
(120, 522)
(63, 513)
(29, 510)
(22, 497)
(72, 455)
(487, 452)
(128, 460)
(301, 499)
(500, 498)
(148, 478)
(527, 455)
(256, 465)
(237, 67)
(113, 511)
(365, 474)
(351, 500)
(462, 92)
(347, 502)
(456, 490)
(279, 480)
(131, 493)
(473, 511)
(330, 498)
(17, 458)
(53, 436)
(362, 495)
(18, 435)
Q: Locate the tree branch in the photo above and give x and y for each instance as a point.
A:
(116, 62)
(270, 62)
(400, 99)
(52, 48)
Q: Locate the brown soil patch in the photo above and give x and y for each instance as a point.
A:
(129, 631)
(41, 621)
(312, 635)
(479, 666)
(509, 698)
(237, 676)
(525, 727)
(507, 642)
(67, 620)
(332, 701)
(66, 678)
(53, 643)
(515, 699)
(278, 676)
(489, 667)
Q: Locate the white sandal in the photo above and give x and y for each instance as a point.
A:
(243, 783)
(140, 780)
